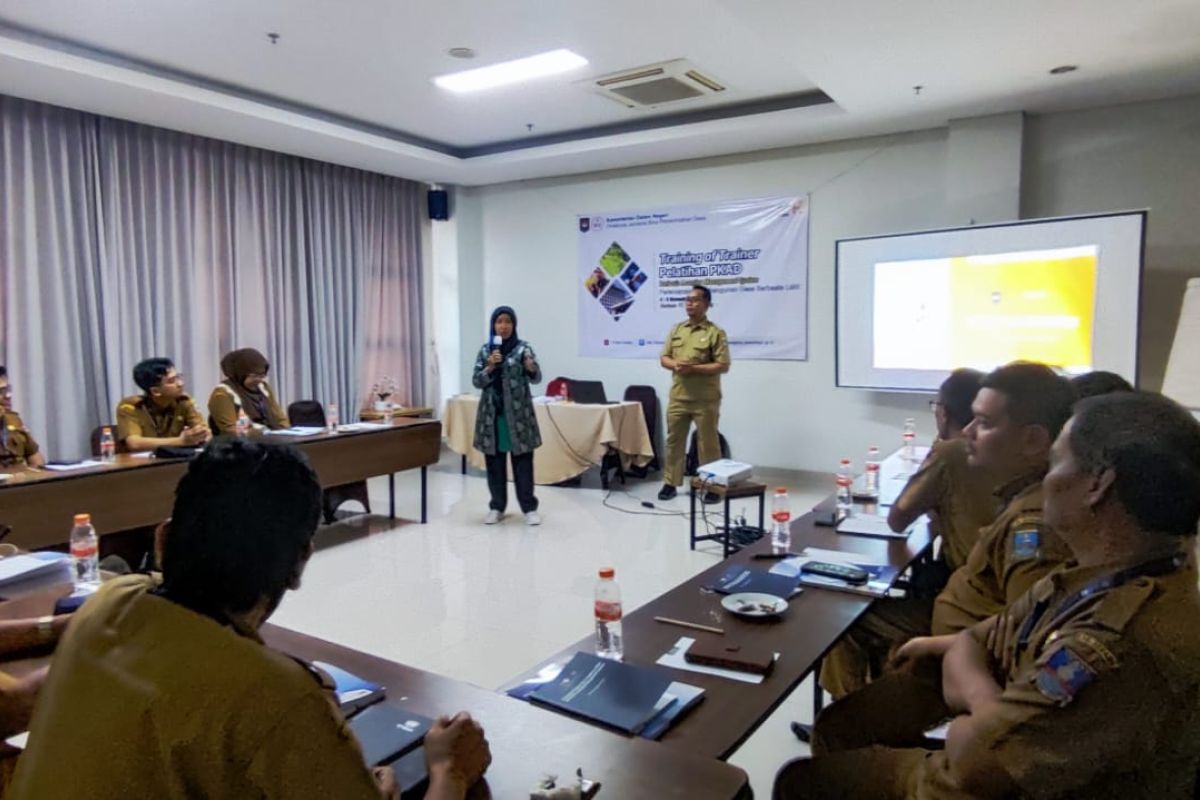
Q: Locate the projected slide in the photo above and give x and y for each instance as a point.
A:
(984, 310)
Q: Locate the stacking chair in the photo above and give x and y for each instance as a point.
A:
(305, 413)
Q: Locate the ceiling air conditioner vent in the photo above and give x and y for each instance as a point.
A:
(655, 85)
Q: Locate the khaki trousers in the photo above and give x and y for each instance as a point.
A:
(861, 653)
(680, 416)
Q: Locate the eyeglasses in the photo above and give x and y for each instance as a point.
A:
(174, 380)
(935, 404)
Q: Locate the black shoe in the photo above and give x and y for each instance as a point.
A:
(667, 492)
(711, 498)
(803, 732)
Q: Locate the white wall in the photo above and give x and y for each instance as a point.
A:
(1140, 155)
(783, 414)
(516, 246)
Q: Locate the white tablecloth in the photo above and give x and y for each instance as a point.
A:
(574, 436)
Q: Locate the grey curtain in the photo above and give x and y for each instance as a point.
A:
(120, 241)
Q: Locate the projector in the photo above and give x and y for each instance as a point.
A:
(724, 472)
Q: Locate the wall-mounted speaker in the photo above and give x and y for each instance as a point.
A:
(439, 204)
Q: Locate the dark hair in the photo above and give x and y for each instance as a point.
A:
(1091, 384)
(1033, 394)
(149, 373)
(3, 371)
(704, 291)
(1153, 446)
(244, 515)
(958, 392)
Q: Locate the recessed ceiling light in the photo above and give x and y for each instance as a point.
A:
(1064, 69)
(460, 52)
(506, 72)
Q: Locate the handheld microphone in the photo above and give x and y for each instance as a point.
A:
(496, 342)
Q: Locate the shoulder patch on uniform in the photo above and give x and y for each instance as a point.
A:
(126, 407)
(1063, 675)
(1025, 542)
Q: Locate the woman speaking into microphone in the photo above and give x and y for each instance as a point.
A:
(505, 369)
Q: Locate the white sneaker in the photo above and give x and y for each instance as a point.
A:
(493, 516)
(533, 518)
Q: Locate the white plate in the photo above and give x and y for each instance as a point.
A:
(754, 604)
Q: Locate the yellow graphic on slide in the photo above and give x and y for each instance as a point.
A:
(1037, 306)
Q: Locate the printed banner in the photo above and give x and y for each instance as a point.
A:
(636, 268)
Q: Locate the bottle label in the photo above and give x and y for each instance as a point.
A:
(84, 550)
(781, 516)
(843, 480)
(872, 468)
(608, 611)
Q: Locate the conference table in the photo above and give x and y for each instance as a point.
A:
(575, 436)
(815, 619)
(136, 490)
(527, 742)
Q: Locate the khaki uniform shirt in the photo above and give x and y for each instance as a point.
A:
(1012, 554)
(147, 699)
(16, 442)
(1104, 700)
(223, 405)
(958, 499)
(138, 416)
(703, 343)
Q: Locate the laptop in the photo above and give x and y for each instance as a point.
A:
(591, 392)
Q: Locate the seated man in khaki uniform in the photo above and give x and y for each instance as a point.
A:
(163, 416)
(959, 501)
(18, 448)
(1018, 412)
(1088, 685)
(166, 690)
(697, 353)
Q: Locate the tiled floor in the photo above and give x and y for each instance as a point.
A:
(482, 603)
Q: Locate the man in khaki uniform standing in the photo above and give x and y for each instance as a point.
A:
(697, 354)
(1088, 684)
(163, 416)
(18, 448)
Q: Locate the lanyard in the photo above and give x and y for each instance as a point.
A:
(1098, 586)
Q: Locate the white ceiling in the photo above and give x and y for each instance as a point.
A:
(349, 80)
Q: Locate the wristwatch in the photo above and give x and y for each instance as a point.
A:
(45, 629)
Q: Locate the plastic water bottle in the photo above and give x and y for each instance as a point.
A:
(331, 419)
(781, 517)
(108, 446)
(609, 643)
(243, 423)
(389, 411)
(845, 479)
(85, 552)
(909, 453)
(871, 473)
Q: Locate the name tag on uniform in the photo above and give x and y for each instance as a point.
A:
(1025, 544)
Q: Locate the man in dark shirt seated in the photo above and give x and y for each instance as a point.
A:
(165, 689)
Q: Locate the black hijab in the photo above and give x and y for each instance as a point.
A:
(511, 342)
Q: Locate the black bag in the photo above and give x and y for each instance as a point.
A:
(693, 454)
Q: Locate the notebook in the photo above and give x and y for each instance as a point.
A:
(353, 693)
(882, 576)
(871, 525)
(387, 732)
(622, 696)
(740, 578)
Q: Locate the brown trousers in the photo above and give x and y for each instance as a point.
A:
(860, 655)
(680, 416)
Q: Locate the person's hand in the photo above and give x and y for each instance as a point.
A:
(530, 364)
(456, 749)
(197, 434)
(494, 359)
(385, 779)
(920, 648)
(683, 368)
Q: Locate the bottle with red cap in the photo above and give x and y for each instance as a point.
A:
(85, 552)
(781, 517)
(609, 643)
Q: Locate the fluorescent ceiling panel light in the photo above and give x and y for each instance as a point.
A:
(506, 72)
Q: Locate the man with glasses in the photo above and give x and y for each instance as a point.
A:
(697, 354)
(163, 416)
(18, 448)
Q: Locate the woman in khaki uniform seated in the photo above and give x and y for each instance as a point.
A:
(17, 446)
(245, 388)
